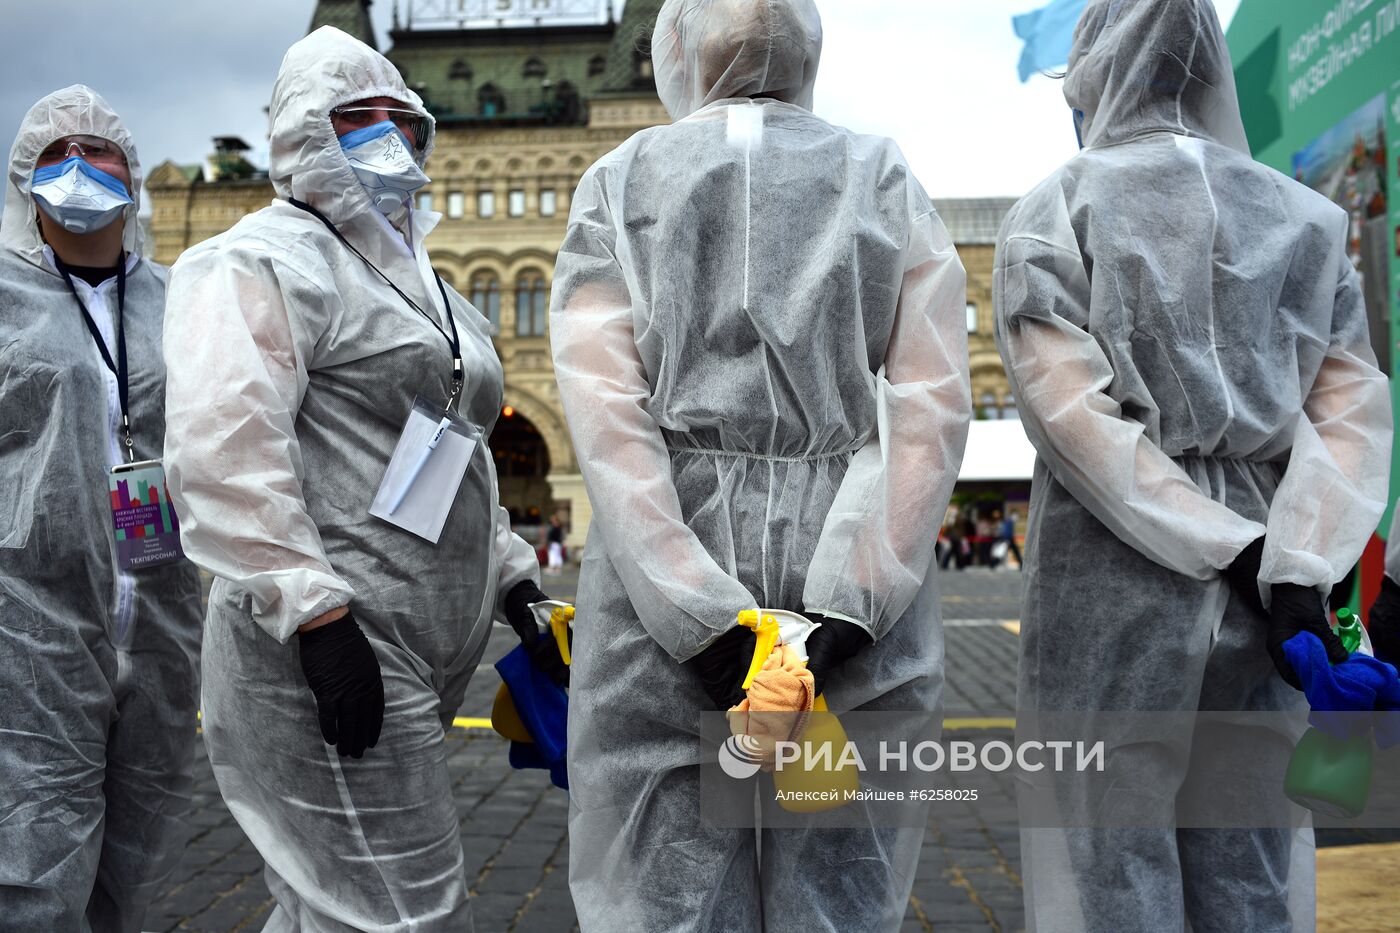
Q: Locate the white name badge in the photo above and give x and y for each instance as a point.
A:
(426, 470)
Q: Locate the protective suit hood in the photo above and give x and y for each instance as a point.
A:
(75, 110)
(324, 70)
(1152, 66)
(709, 50)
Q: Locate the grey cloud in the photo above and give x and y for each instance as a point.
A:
(179, 73)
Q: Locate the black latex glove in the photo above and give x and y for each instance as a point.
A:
(1299, 609)
(1383, 623)
(723, 666)
(542, 648)
(1243, 575)
(832, 645)
(343, 673)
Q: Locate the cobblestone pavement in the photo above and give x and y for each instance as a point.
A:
(514, 823)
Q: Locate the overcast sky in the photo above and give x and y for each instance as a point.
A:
(937, 75)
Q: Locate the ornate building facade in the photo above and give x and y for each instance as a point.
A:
(527, 95)
(973, 223)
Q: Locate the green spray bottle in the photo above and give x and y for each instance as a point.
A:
(1327, 774)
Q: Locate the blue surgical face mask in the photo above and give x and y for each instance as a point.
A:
(78, 196)
(383, 162)
(1079, 127)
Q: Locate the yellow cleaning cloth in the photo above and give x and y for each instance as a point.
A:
(778, 702)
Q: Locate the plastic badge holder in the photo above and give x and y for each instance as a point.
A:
(431, 484)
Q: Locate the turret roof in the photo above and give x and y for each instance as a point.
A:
(350, 16)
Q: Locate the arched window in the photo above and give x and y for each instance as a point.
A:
(460, 70)
(493, 102)
(641, 60)
(534, 68)
(597, 65)
(568, 107)
(531, 304)
(486, 296)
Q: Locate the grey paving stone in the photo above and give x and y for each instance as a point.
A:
(191, 898)
(244, 860)
(514, 881)
(160, 920)
(225, 915)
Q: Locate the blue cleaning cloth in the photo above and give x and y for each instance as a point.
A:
(1360, 684)
(1049, 35)
(544, 709)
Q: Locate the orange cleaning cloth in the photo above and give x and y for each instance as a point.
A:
(777, 704)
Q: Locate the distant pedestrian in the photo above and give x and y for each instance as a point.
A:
(1006, 534)
(555, 545)
(984, 542)
(952, 553)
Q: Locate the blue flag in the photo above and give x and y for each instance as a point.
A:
(1049, 34)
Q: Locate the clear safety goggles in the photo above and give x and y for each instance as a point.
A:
(411, 123)
(91, 149)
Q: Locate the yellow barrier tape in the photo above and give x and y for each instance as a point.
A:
(949, 725)
(970, 725)
(461, 722)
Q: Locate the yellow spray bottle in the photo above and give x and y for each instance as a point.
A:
(817, 780)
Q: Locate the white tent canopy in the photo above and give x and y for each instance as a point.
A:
(997, 451)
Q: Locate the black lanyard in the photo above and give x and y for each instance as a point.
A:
(119, 367)
(453, 342)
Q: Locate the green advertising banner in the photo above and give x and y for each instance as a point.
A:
(1319, 87)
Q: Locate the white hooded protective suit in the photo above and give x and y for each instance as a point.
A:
(758, 332)
(1186, 340)
(98, 668)
(293, 368)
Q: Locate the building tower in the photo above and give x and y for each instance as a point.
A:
(628, 69)
(350, 16)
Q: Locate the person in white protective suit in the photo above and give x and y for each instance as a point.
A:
(1187, 343)
(338, 645)
(758, 333)
(98, 657)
